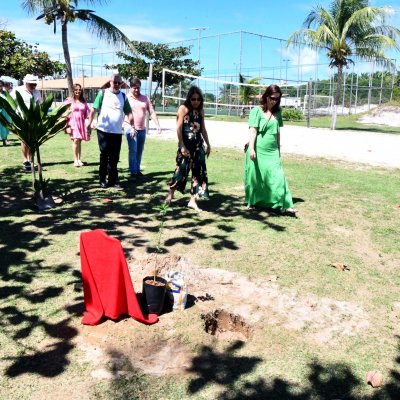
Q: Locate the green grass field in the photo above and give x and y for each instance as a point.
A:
(348, 213)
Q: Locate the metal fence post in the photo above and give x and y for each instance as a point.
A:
(309, 103)
(149, 83)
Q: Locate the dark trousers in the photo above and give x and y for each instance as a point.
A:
(110, 147)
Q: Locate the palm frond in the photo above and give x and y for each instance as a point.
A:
(108, 32)
(21, 104)
(32, 6)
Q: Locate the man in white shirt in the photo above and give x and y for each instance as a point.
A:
(112, 105)
(27, 91)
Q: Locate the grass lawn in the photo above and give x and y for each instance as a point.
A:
(348, 213)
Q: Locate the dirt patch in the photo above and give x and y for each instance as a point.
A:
(224, 325)
(325, 319)
(231, 304)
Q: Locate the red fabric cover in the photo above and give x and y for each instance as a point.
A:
(107, 286)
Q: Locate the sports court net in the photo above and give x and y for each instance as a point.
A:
(223, 97)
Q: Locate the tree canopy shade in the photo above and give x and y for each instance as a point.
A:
(349, 29)
(17, 59)
(65, 12)
(162, 56)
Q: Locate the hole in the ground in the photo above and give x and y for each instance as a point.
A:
(221, 323)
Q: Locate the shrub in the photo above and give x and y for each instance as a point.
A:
(292, 114)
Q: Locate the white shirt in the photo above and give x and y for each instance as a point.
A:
(111, 113)
(27, 95)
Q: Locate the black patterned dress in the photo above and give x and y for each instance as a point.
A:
(195, 162)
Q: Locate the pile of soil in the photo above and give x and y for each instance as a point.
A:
(384, 115)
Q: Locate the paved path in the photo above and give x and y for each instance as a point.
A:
(377, 149)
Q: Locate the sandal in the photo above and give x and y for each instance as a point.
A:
(289, 211)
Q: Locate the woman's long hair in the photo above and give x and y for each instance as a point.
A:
(77, 86)
(271, 89)
(194, 90)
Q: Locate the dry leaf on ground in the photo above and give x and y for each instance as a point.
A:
(340, 266)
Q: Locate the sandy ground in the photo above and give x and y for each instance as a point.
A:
(376, 149)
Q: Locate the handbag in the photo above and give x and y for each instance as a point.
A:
(246, 146)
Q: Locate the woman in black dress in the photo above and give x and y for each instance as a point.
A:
(191, 154)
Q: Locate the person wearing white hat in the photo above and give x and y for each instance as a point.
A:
(27, 91)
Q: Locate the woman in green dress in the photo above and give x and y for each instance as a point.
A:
(264, 179)
(191, 154)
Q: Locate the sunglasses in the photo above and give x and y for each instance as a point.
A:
(195, 99)
(117, 82)
(274, 98)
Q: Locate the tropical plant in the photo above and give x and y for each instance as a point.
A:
(66, 11)
(248, 93)
(34, 126)
(161, 56)
(350, 28)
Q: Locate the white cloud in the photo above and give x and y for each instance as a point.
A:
(81, 41)
(150, 33)
(302, 64)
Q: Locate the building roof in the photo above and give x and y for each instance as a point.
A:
(95, 82)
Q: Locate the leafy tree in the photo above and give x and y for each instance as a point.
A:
(34, 126)
(65, 12)
(17, 58)
(349, 28)
(40, 64)
(162, 56)
(209, 97)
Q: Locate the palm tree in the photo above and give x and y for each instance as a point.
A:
(351, 28)
(66, 11)
(248, 93)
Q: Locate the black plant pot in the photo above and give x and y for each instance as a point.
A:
(153, 296)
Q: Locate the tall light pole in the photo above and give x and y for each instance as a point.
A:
(91, 61)
(198, 39)
(83, 78)
(286, 60)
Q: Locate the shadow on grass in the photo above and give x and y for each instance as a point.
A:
(228, 371)
(30, 236)
(370, 128)
(232, 377)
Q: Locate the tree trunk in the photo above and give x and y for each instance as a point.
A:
(337, 96)
(156, 90)
(67, 58)
(32, 160)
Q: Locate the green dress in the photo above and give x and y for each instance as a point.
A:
(264, 180)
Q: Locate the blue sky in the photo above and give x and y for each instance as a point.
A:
(171, 21)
